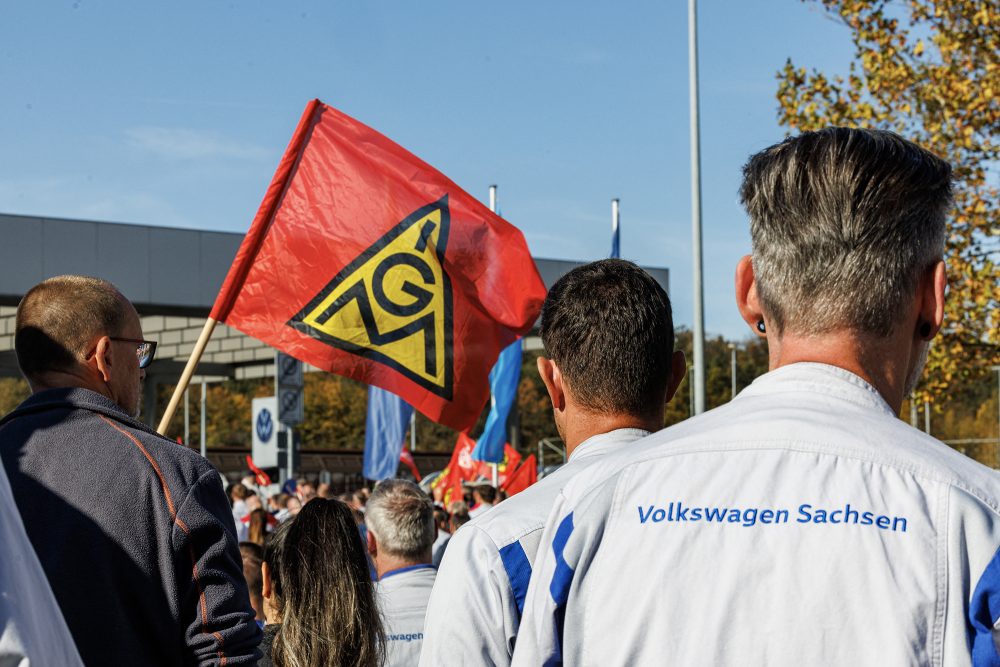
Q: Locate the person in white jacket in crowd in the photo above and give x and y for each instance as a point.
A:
(32, 629)
(802, 523)
(609, 368)
(401, 531)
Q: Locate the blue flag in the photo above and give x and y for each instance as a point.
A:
(504, 377)
(385, 430)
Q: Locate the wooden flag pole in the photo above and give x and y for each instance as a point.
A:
(182, 384)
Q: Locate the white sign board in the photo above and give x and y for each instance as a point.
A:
(264, 427)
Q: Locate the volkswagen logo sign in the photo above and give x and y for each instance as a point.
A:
(265, 425)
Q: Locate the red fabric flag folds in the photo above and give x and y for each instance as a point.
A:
(365, 261)
(525, 475)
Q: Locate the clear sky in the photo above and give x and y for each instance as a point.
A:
(176, 114)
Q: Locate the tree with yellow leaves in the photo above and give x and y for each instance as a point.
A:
(929, 70)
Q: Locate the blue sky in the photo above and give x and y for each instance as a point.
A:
(176, 114)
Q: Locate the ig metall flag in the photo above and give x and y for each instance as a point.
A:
(365, 261)
(385, 432)
(504, 378)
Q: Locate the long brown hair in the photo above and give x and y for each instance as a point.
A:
(257, 527)
(322, 586)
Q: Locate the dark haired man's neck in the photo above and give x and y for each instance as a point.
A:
(581, 425)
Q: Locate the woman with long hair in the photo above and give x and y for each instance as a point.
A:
(319, 598)
(257, 527)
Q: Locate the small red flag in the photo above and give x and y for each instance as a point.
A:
(525, 475)
(365, 261)
(510, 461)
(407, 459)
(261, 477)
(463, 468)
(460, 469)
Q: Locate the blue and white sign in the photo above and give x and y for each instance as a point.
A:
(264, 424)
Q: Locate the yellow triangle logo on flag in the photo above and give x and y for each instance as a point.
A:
(393, 304)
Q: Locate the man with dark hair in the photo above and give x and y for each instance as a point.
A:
(459, 517)
(135, 533)
(484, 497)
(443, 522)
(401, 531)
(610, 369)
(802, 523)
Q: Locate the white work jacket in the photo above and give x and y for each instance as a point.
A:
(801, 524)
(475, 608)
(402, 596)
(32, 628)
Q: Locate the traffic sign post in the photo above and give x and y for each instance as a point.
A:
(288, 370)
(288, 387)
(288, 384)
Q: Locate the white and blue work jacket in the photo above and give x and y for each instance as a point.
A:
(402, 597)
(475, 607)
(803, 523)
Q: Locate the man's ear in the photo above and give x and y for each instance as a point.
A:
(678, 369)
(265, 576)
(101, 361)
(931, 292)
(552, 378)
(372, 543)
(747, 299)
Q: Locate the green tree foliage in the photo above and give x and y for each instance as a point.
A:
(12, 392)
(335, 409)
(751, 361)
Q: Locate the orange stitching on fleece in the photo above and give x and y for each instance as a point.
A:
(163, 483)
(182, 525)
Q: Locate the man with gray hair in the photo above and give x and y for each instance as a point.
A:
(401, 531)
(803, 523)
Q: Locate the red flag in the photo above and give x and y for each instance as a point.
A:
(407, 459)
(510, 460)
(365, 261)
(525, 475)
(261, 477)
(463, 468)
(460, 469)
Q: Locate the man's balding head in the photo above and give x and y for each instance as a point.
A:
(58, 320)
(74, 331)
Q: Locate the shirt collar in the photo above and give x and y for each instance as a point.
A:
(408, 568)
(822, 379)
(596, 445)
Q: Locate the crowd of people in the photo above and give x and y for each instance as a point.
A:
(802, 523)
(397, 532)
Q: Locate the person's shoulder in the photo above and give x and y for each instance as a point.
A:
(166, 457)
(521, 513)
(937, 460)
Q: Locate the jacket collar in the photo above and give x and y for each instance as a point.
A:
(819, 379)
(597, 445)
(74, 398)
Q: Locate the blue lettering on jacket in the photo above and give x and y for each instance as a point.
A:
(748, 517)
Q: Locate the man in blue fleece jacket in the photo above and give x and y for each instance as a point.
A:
(133, 531)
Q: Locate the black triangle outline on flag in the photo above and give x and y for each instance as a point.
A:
(297, 321)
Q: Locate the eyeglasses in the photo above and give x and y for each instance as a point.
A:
(144, 349)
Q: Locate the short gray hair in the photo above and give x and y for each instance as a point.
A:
(401, 517)
(843, 222)
(58, 318)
